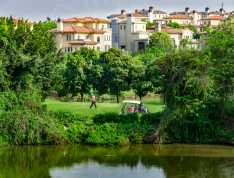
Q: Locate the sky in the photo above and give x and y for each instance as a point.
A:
(35, 11)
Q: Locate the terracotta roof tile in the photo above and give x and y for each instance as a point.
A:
(162, 26)
(85, 19)
(175, 30)
(178, 16)
(16, 21)
(78, 29)
(213, 18)
(150, 31)
(169, 31)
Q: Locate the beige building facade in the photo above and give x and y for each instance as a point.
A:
(74, 33)
(177, 35)
(197, 18)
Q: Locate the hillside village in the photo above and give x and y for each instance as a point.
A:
(127, 31)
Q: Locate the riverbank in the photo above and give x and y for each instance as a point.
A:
(106, 129)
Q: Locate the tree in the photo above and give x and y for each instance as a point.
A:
(148, 23)
(142, 81)
(160, 39)
(220, 47)
(151, 54)
(175, 25)
(116, 72)
(75, 78)
(28, 56)
(196, 34)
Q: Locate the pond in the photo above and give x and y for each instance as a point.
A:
(136, 161)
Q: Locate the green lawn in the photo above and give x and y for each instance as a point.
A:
(153, 104)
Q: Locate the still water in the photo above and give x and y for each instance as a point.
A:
(151, 161)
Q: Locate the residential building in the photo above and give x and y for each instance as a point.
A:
(177, 35)
(212, 21)
(74, 33)
(149, 15)
(196, 17)
(129, 34)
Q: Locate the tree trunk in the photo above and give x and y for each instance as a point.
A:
(117, 96)
(82, 95)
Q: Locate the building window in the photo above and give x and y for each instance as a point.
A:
(141, 46)
(105, 48)
(159, 16)
(65, 49)
(121, 27)
(68, 37)
(75, 48)
(96, 25)
(98, 48)
(71, 49)
(124, 27)
(78, 37)
(122, 47)
(93, 47)
(103, 26)
(98, 39)
(87, 37)
(204, 23)
(68, 49)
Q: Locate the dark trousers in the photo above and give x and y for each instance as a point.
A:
(93, 103)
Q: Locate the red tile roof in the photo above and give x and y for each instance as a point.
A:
(16, 21)
(150, 31)
(214, 18)
(78, 29)
(85, 19)
(133, 15)
(178, 16)
(170, 31)
(84, 42)
(174, 31)
(162, 26)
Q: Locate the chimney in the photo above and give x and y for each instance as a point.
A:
(123, 12)
(157, 26)
(151, 9)
(207, 11)
(187, 11)
(221, 11)
(136, 11)
(59, 24)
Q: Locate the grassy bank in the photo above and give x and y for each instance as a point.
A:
(153, 104)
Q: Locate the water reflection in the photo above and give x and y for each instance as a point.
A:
(129, 161)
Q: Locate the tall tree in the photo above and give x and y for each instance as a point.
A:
(117, 69)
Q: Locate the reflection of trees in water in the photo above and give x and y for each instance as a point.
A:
(37, 161)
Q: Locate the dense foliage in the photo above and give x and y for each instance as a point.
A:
(160, 39)
(175, 25)
(197, 87)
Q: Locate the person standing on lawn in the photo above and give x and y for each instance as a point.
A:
(93, 102)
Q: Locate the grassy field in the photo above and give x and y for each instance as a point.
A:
(153, 105)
